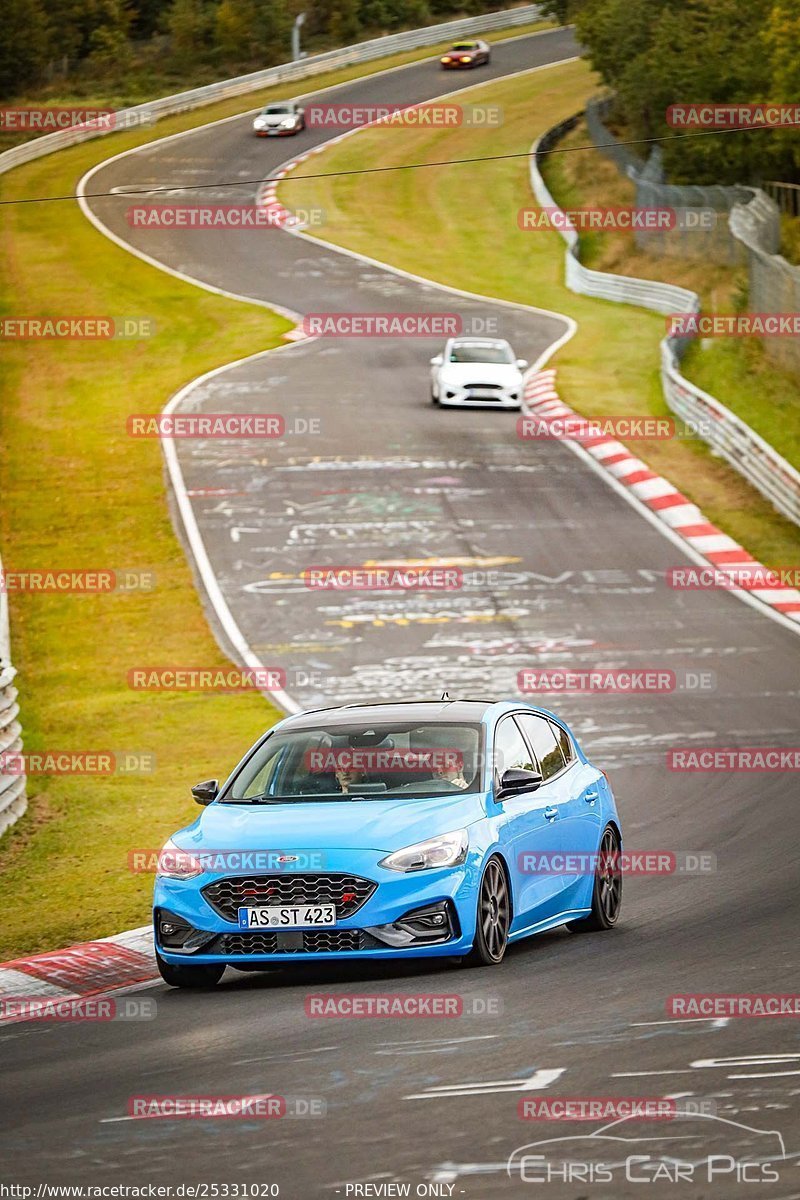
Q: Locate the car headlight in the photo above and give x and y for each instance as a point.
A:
(174, 863)
(288, 122)
(259, 123)
(447, 850)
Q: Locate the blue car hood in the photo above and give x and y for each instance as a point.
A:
(344, 824)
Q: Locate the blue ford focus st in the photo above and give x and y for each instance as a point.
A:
(396, 830)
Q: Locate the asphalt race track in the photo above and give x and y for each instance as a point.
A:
(561, 572)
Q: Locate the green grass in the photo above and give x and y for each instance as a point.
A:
(737, 371)
(790, 238)
(78, 493)
(458, 225)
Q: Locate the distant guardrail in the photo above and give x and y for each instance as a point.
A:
(13, 798)
(727, 434)
(305, 68)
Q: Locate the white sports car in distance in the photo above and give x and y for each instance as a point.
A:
(476, 371)
(280, 120)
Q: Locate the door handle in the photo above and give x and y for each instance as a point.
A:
(550, 814)
(590, 797)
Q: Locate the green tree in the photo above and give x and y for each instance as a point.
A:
(234, 28)
(189, 25)
(23, 46)
(781, 41)
(344, 25)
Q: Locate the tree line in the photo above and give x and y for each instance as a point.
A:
(47, 42)
(657, 53)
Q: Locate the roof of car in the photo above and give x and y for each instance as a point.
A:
(479, 341)
(410, 710)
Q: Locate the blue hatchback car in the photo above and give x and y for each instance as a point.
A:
(387, 831)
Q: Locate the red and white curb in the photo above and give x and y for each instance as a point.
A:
(109, 966)
(720, 552)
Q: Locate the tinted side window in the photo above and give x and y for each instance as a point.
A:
(545, 747)
(562, 737)
(510, 749)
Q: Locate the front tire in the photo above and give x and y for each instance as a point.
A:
(607, 890)
(434, 399)
(189, 975)
(494, 918)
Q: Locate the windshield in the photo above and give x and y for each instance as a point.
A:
(276, 110)
(464, 46)
(477, 353)
(363, 762)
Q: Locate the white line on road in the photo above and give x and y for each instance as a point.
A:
(533, 1083)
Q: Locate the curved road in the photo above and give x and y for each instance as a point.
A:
(564, 572)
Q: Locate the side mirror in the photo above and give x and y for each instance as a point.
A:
(207, 792)
(516, 780)
(522, 363)
(437, 361)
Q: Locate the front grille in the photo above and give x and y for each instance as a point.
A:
(485, 386)
(314, 941)
(347, 892)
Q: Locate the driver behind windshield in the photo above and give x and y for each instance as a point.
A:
(448, 772)
(348, 777)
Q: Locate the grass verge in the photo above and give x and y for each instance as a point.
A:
(458, 225)
(78, 493)
(737, 371)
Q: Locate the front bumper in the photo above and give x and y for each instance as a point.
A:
(277, 132)
(386, 925)
(459, 397)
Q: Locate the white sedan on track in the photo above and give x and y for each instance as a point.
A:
(477, 371)
(280, 120)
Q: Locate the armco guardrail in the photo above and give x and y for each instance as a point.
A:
(305, 68)
(728, 436)
(732, 438)
(663, 297)
(13, 800)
